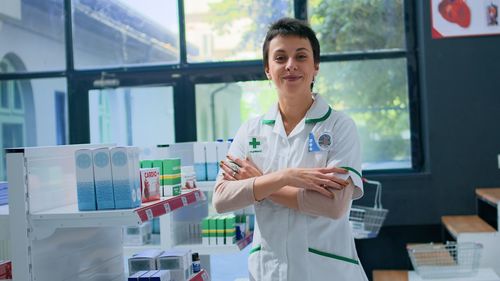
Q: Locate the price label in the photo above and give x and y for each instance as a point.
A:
(197, 196)
(149, 214)
(184, 201)
(167, 207)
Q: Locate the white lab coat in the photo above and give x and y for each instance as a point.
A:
(288, 244)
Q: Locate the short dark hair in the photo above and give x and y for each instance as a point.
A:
(290, 27)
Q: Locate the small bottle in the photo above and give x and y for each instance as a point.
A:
(196, 262)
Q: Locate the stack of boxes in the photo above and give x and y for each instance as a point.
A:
(4, 194)
(203, 156)
(176, 262)
(219, 230)
(108, 178)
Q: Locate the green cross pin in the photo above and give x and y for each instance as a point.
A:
(254, 143)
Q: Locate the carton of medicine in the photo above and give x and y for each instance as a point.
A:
(85, 188)
(103, 179)
(123, 168)
(211, 160)
(150, 184)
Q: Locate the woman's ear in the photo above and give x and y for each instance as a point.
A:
(268, 75)
(316, 69)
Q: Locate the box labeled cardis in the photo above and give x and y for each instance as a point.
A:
(85, 189)
(150, 184)
(123, 167)
(103, 179)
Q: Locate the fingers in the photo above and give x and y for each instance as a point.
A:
(228, 177)
(227, 171)
(238, 161)
(322, 191)
(333, 170)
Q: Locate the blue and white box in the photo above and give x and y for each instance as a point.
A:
(222, 150)
(126, 194)
(161, 275)
(211, 160)
(146, 276)
(85, 189)
(200, 161)
(103, 179)
(137, 275)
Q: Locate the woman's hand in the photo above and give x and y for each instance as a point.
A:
(317, 179)
(239, 169)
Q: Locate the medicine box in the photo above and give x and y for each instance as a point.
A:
(172, 177)
(220, 227)
(103, 179)
(146, 276)
(205, 231)
(230, 229)
(161, 275)
(211, 160)
(125, 171)
(85, 189)
(212, 224)
(150, 184)
(136, 275)
(199, 158)
(178, 262)
(137, 235)
(145, 260)
(222, 150)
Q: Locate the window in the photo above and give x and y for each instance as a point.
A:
(222, 107)
(365, 74)
(35, 123)
(228, 30)
(34, 27)
(139, 116)
(125, 32)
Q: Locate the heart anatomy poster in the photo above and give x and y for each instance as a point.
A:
(459, 18)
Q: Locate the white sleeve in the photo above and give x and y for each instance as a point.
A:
(346, 153)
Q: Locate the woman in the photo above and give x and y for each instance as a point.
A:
(299, 166)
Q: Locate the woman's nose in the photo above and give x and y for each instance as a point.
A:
(290, 65)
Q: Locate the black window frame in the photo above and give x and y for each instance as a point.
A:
(184, 76)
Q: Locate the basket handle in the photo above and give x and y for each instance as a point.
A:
(378, 192)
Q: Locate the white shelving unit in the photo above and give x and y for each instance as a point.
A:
(53, 240)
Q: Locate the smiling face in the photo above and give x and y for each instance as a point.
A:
(291, 65)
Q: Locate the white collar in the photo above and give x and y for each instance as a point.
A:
(319, 111)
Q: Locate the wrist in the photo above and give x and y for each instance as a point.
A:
(283, 178)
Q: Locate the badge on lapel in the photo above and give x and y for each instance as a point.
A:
(255, 144)
(322, 143)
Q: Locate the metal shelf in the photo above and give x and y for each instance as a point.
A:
(217, 249)
(70, 216)
(4, 222)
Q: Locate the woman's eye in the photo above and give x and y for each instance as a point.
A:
(302, 57)
(279, 58)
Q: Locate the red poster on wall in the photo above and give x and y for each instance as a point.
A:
(460, 18)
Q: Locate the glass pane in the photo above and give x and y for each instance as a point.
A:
(358, 25)
(139, 116)
(125, 32)
(30, 28)
(228, 30)
(222, 108)
(36, 123)
(375, 94)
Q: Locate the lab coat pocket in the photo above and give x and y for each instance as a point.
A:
(340, 268)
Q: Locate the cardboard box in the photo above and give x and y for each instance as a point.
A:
(150, 184)
(85, 189)
(127, 192)
(103, 179)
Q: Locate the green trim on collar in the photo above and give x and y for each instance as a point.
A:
(268, 122)
(353, 170)
(328, 255)
(315, 120)
(256, 249)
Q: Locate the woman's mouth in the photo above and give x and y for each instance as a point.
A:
(291, 78)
